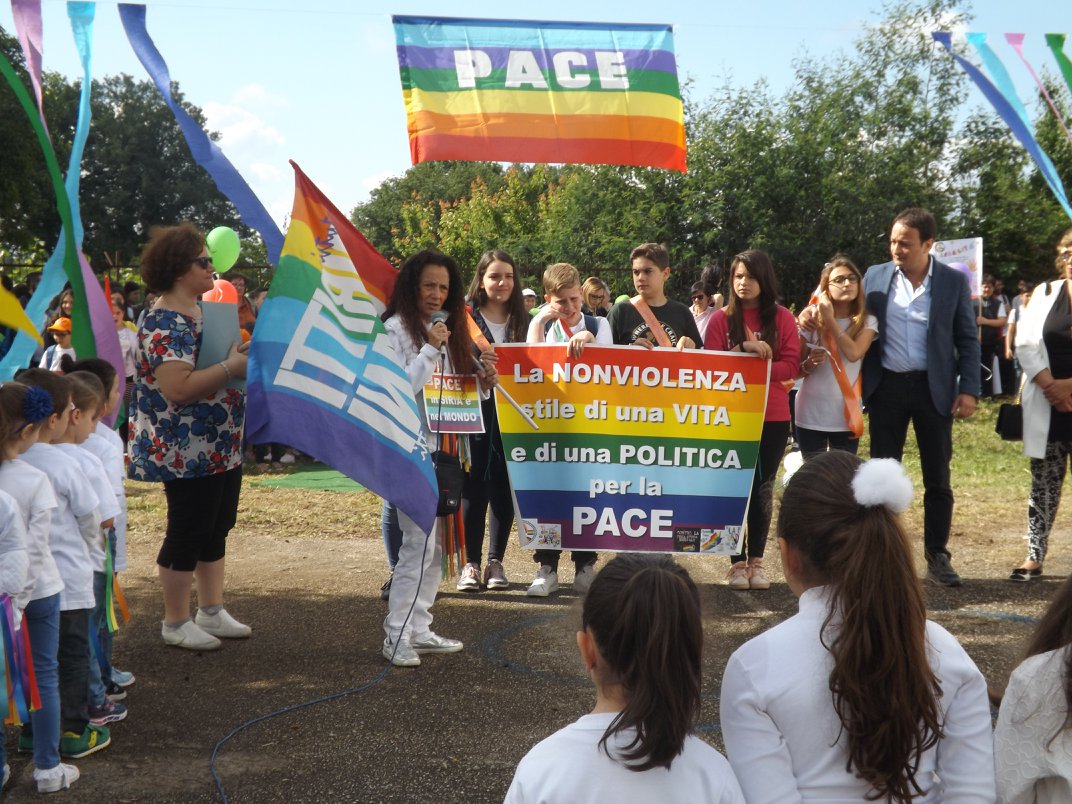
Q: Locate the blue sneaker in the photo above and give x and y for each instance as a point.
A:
(121, 678)
(107, 712)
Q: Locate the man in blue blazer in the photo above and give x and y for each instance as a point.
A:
(925, 369)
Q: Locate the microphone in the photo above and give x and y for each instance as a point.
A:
(439, 317)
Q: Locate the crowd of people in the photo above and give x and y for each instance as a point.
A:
(884, 704)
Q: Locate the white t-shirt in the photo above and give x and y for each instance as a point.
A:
(570, 768)
(33, 494)
(51, 358)
(555, 334)
(13, 559)
(820, 404)
(72, 528)
(782, 733)
(107, 445)
(498, 331)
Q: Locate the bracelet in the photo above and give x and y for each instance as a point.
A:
(226, 370)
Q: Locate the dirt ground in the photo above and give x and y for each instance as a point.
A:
(305, 568)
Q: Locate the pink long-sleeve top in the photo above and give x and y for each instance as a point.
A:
(784, 364)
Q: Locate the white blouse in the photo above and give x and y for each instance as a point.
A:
(1032, 745)
(782, 733)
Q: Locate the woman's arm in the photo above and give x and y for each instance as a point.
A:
(182, 384)
(787, 363)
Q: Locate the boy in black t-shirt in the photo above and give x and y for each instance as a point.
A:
(651, 268)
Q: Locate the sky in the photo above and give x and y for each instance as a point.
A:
(317, 81)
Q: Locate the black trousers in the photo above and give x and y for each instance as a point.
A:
(73, 658)
(898, 400)
(487, 482)
(772, 445)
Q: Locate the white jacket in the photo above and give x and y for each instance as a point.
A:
(1031, 352)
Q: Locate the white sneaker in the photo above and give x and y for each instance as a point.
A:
(222, 624)
(737, 577)
(55, 779)
(189, 636)
(402, 656)
(495, 575)
(434, 643)
(545, 582)
(582, 581)
(287, 459)
(469, 580)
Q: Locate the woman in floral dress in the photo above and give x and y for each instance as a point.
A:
(186, 432)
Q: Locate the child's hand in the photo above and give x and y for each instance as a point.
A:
(107, 523)
(644, 342)
(685, 342)
(575, 347)
(758, 348)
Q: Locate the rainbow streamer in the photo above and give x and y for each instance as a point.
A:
(205, 152)
(1056, 43)
(531, 91)
(1011, 118)
(93, 329)
(13, 668)
(1017, 42)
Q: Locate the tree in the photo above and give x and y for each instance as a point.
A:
(138, 172)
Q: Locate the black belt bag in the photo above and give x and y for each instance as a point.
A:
(451, 478)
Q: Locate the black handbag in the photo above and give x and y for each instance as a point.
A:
(451, 478)
(1010, 423)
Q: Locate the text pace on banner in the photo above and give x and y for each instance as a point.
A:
(452, 404)
(638, 450)
(541, 91)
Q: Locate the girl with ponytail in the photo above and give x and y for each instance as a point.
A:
(641, 643)
(858, 696)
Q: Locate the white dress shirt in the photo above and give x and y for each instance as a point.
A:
(783, 737)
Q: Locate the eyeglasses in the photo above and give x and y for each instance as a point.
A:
(698, 298)
(204, 262)
(847, 279)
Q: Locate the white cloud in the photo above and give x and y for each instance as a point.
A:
(256, 95)
(265, 172)
(237, 125)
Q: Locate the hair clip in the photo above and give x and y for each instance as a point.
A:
(882, 481)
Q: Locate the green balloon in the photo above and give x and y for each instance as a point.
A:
(223, 246)
(623, 297)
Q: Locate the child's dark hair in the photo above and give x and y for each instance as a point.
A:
(21, 405)
(87, 391)
(100, 368)
(884, 691)
(760, 268)
(644, 614)
(58, 386)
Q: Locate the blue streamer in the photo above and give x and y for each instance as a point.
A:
(1000, 76)
(205, 152)
(1011, 118)
(53, 277)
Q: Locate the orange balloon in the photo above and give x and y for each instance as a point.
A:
(222, 291)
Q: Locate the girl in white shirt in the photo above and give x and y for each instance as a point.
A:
(641, 643)
(824, 416)
(24, 411)
(1033, 737)
(857, 696)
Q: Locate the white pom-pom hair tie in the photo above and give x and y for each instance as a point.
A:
(882, 481)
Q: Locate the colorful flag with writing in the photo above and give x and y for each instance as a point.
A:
(528, 91)
(323, 376)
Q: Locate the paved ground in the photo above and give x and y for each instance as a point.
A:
(449, 731)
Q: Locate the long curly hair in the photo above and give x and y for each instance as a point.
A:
(405, 303)
(884, 691)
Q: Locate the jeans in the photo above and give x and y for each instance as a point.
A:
(73, 659)
(392, 533)
(814, 442)
(898, 400)
(487, 482)
(772, 443)
(42, 618)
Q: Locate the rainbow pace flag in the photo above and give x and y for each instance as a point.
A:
(323, 375)
(638, 450)
(526, 91)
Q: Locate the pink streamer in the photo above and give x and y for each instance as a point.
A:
(1017, 43)
(27, 16)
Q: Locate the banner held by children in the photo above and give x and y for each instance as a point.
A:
(638, 450)
(531, 91)
(323, 376)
